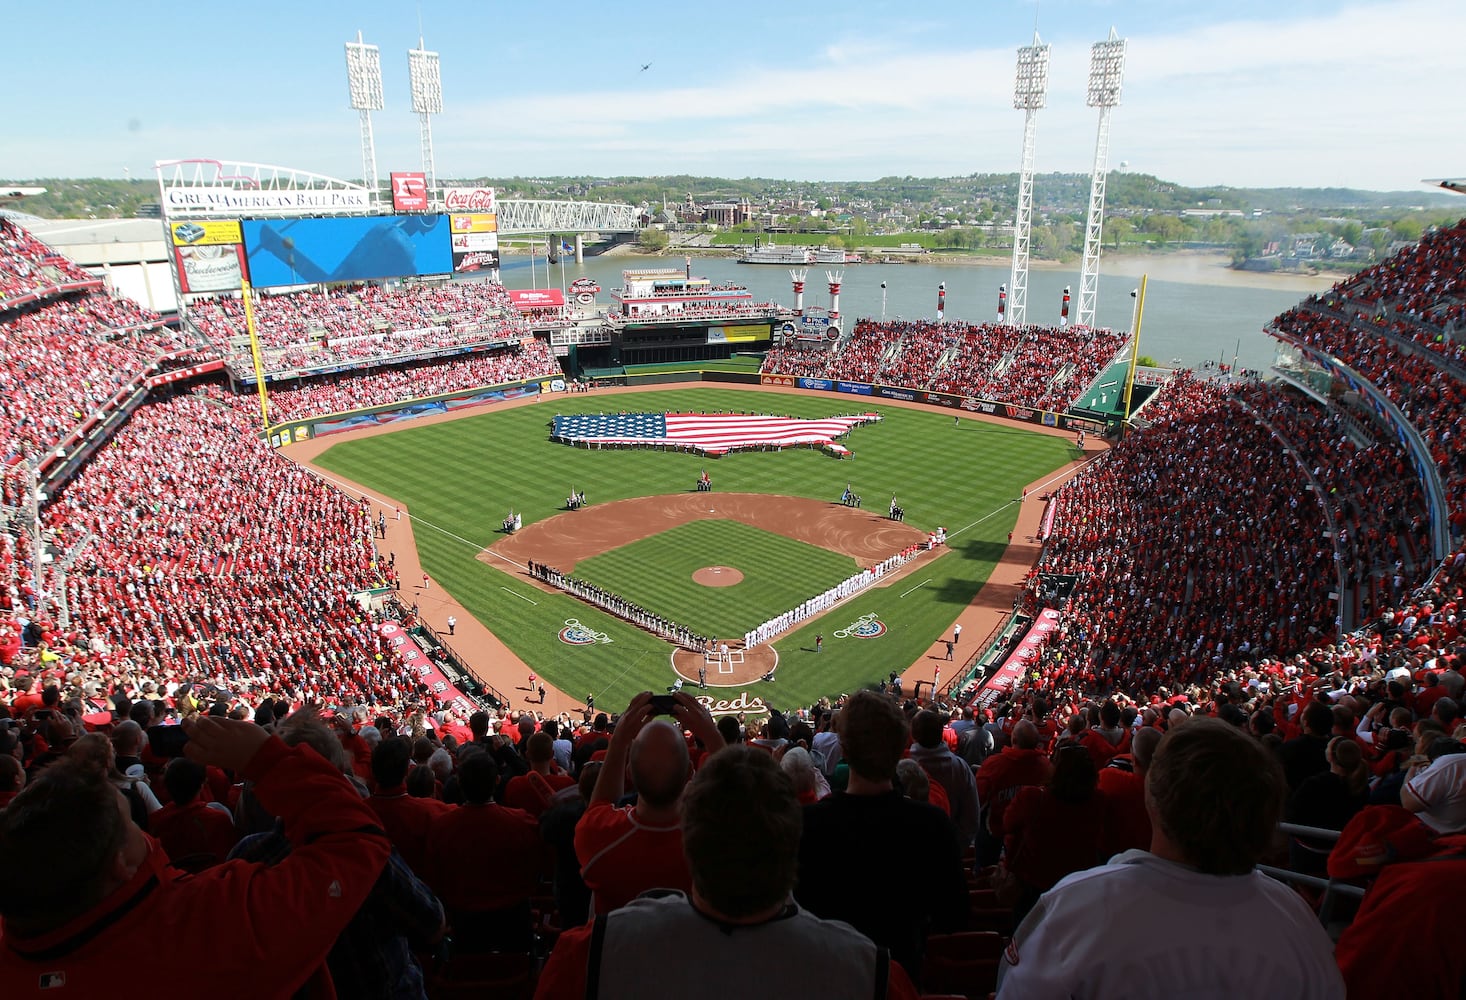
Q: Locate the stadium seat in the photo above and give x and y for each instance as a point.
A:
(965, 963)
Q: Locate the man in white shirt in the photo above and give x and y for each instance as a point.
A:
(1437, 793)
(1190, 917)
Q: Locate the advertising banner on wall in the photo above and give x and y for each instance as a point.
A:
(477, 223)
(468, 261)
(209, 267)
(310, 251)
(469, 199)
(525, 299)
(226, 201)
(409, 191)
(475, 239)
(206, 233)
(744, 334)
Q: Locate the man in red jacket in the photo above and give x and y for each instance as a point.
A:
(95, 891)
(406, 818)
(484, 862)
(195, 834)
(998, 782)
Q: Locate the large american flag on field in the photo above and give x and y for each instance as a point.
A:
(713, 433)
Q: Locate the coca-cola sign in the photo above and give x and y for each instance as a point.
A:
(475, 199)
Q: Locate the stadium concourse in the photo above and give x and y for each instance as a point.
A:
(1200, 658)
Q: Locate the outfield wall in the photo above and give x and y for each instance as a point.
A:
(293, 431)
(310, 427)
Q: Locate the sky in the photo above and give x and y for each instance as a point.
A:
(1250, 94)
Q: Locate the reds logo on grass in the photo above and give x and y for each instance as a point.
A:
(576, 634)
(865, 627)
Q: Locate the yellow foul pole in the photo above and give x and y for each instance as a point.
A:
(1134, 345)
(254, 350)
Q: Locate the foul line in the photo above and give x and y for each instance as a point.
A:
(342, 485)
(917, 587)
(520, 596)
(1061, 477)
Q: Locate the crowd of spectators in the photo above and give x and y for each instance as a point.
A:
(29, 268)
(358, 323)
(199, 556)
(338, 393)
(1198, 689)
(1036, 366)
(1422, 284)
(1431, 397)
(1188, 556)
(1380, 527)
(67, 358)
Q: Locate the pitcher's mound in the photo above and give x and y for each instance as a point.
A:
(717, 576)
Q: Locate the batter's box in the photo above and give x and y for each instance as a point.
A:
(726, 661)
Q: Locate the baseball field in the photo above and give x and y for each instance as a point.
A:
(770, 534)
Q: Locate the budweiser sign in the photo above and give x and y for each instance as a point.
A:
(469, 199)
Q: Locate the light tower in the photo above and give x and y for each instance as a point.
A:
(364, 79)
(1106, 70)
(427, 100)
(1030, 87)
(798, 275)
(834, 278)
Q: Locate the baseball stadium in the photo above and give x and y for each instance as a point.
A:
(354, 481)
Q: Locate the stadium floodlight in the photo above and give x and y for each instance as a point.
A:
(1106, 73)
(1031, 84)
(364, 81)
(425, 73)
(1030, 90)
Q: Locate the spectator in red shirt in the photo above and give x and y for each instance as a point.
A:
(1055, 829)
(998, 782)
(484, 862)
(1122, 782)
(534, 791)
(194, 833)
(626, 850)
(406, 818)
(96, 891)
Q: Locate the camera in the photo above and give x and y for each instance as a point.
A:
(663, 704)
(167, 741)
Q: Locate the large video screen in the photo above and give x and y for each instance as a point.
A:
(307, 251)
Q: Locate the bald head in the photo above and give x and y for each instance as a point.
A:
(1025, 735)
(659, 764)
(1142, 747)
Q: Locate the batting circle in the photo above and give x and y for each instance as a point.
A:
(750, 666)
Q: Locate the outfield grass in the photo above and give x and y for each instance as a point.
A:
(778, 572)
(459, 478)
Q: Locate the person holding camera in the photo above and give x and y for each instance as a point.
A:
(626, 850)
(95, 891)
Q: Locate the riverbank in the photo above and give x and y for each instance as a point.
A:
(1192, 267)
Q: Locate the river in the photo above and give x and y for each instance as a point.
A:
(1196, 309)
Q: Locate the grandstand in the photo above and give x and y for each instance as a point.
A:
(1259, 551)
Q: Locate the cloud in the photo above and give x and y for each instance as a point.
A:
(1358, 95)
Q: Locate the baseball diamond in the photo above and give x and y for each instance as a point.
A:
(458, 476)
